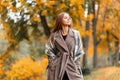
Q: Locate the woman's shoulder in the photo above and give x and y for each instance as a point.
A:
(53, 34)
(75, 30)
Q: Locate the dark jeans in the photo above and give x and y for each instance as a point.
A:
(65, 77)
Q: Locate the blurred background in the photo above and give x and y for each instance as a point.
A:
(25, 26)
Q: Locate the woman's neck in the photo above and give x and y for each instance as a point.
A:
(65, 30)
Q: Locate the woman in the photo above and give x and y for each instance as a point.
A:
(64, 49)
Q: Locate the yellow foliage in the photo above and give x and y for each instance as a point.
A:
(8, 35)
(90, 51)
(26, 67)
(51, 2)
(106, 27)
(0, 1)
(1, 71)
(73, 13)
(6, 27)
(5, 3)
(12, 7)
(108, 1)
(39, 1)
(90, 16)
(88, 32)
(23, 2)
(80, 29)
(83, 17)
(76, 2)
(76, 24)
(44, 12)
(37, 78)
(35, 18)
(43, 39)
(62, 6)
(1, 8)
(51, 23)
(80, 10)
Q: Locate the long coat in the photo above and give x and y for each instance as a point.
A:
(64, 55)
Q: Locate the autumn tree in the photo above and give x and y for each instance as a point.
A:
(18, 16)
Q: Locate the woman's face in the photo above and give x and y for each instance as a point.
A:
(66, 20)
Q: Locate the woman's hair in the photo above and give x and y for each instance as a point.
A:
(58, 22)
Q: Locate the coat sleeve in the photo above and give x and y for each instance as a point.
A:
(80, 51)
(80, 46)
(49, 47)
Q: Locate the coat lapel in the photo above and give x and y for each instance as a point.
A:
(64, 43)
(60, 40)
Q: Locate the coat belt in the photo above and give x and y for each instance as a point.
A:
(64, 62)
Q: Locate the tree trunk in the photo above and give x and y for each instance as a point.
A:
(109, 49)
(45, 26)
(109, 59)
(117, 52)
(86, 45)
(95, 42)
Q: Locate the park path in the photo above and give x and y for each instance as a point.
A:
(110, 73)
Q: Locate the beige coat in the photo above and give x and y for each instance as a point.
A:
(63, 60)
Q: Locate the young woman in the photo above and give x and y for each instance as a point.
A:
(64, 49)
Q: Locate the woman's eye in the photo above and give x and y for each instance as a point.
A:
(65, 17)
